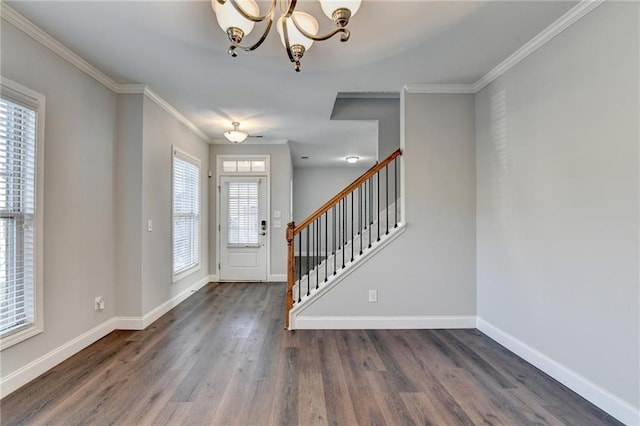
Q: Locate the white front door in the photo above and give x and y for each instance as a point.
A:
(243, 228)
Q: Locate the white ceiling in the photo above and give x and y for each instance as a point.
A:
(177, 48)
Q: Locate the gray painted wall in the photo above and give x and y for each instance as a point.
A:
(314, 186)
(79, 182)
(160, 132)
(430, 269)
(146, 135)
(107, 167)
(128, 205)
(558, 189)
(281, 174)
(385, 111)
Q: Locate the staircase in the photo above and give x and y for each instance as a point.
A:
(342, 233)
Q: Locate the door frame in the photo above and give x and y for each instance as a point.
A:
(267, 176)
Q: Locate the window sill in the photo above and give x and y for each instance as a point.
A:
(19, 336)
(181, 275)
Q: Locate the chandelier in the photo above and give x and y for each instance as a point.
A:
(298, 30)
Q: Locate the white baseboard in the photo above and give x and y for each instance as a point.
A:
(602, 398)
(381, 322)
(35, 368)
(277, 278)
(24, 375)
(140, 323)
(129, 323)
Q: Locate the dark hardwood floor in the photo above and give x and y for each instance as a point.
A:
(222, 357)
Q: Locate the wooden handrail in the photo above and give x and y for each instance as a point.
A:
(349, 189)
(293, 229)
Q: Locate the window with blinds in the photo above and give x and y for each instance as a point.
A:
(186, 212)
(243, 228)
(17, 214)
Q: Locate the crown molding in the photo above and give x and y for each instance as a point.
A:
(153, 96)
(131, 89)
(29, 28)
(368, 95)
(141, 89)
(439, 88)
(546, 35)
(562, 23)
(26, 26)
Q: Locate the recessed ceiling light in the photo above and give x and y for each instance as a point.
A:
(352, 159)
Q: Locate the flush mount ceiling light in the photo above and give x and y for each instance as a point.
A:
(235, 135)
(298, 30)
(352, 159)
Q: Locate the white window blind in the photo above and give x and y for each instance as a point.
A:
(186, 213)
(244, 223)
(17, 214)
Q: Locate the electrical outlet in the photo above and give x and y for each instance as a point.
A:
(373, 296)
(98, 304)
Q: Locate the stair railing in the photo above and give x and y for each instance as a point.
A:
(326, 241)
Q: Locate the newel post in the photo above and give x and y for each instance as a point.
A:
(291, 272)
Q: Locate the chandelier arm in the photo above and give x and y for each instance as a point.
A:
(249, 16)
(258, 43)
(287, 43)
(343, 37)
(289, 9)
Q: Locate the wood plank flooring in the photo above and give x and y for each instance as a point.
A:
(223, 358)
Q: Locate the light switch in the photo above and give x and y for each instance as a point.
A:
(149, 225)
(277, 224)
(277, 213)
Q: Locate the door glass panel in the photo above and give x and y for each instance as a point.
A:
(244, 166)
(258, 166)
(243, 214)
(229, 166)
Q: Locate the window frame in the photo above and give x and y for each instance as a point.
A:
(185, 156)
(16, 92)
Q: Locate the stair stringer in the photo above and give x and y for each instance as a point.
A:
(342, 274)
